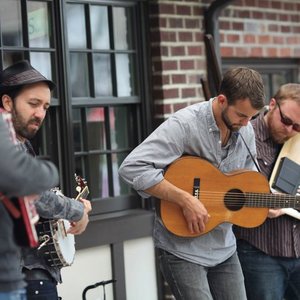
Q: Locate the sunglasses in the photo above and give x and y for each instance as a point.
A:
(287, 121)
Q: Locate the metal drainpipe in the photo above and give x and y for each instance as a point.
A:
(211, 20)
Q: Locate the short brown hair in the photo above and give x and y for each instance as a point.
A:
(243, 83)
(289, 91)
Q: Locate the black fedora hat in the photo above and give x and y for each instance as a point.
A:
(19, 74)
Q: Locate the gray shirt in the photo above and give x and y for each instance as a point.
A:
(20, 175)
(190, 131)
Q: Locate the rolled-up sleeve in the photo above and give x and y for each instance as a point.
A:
(144, 167)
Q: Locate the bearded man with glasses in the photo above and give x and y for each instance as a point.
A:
(269, 254)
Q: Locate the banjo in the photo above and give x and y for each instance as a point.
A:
(287, 166)
(55, 244)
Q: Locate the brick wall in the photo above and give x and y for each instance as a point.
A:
(178, 54)
(261, 28)
(248, 28)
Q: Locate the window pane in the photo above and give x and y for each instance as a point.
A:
(120, 187)
(98, 176)
(42, 62)
(76, 26)
(77, 130)
(120, 127)
(121, 19)
(96, 128)
(10, 57)
(79, 75)
(80, 168)
(125, 75)
(11, 22)
(99, 27)
(102, 75)
(38, 24)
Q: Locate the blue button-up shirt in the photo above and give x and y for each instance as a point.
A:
(190, 131)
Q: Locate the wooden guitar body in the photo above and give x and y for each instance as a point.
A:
(291, 150)
(213, 193)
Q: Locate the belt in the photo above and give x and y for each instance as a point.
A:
(37, 274)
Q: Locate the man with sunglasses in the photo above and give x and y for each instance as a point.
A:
(269, 254)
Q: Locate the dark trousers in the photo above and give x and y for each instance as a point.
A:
(41, 290)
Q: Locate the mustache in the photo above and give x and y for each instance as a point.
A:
(37, 121)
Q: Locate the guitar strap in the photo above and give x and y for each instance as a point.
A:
(256, 164)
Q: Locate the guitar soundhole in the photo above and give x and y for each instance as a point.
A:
(234, 199)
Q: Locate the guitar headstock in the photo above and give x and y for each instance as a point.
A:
(81, 188)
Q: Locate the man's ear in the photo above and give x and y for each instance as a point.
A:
(272, 104)
(7, 103)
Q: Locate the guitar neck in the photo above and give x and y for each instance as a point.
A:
(272, 200)
(83, 194)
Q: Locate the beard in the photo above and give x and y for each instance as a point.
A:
(277, 135)
(22, 127)
(231, 126)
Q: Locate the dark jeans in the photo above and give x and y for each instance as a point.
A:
(267, 277)
(14, 295)
(41, 290)
(189, 281)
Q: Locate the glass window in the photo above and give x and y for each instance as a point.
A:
(79, 75)
(125, 75)
(99, 27)
(121, 21)
(11, 23)
(38, 24)
(76, 26)
(102, 74)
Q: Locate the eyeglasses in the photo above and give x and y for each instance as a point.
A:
(287, 121)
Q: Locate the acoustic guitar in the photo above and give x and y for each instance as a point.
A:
(241, 197)
(290, 150)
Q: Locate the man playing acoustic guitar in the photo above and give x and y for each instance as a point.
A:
(26, 95)
(269, 254)
(206, 266)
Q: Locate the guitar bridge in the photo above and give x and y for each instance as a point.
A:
(196, 188)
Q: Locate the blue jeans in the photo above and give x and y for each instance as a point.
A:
(267, 277)
(14, 295)
(41, 290)
(189, 281)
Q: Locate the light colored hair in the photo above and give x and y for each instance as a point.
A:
(289, 91)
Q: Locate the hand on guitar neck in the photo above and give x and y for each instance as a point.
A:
(80, 226)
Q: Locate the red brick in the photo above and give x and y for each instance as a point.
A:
(168, 36)
(169, 65)
(256, 52)
(233, 38)
(194, 50)
(278, 39)
(242, 51)
(177, 51)
(170, 93)
(178, 106)
(285, 52)
(192, 23)
(178, 78)
(166, 8)
(183, 10)
(285, 29)
(227, 51)
(185, 36)
(272, 52)
(264, 39)
(175, 23)
(249, 38)
(188, 93)
(225, 25)
(238, 26)
(187, 65)
(273, 27)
